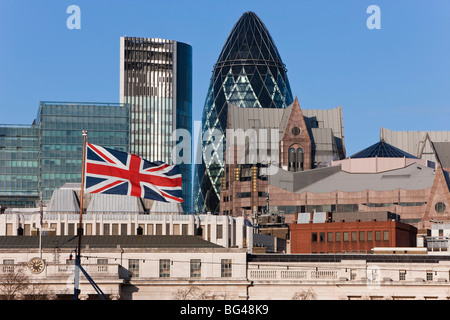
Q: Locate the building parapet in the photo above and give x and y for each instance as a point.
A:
(225, 231)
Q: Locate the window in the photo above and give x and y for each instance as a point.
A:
(219, 231)
(439, 207)
(347, 208)
(402, 275)
(196, 268)
(429, 275)
(352, 274)
(102, 261)
(291, 160)
(369, 236)
(374, 275)
(115, 229)
(243, 195)
(299, 159)
(338, 236)
(330, 236)
(133, 268)
(105, 229)
(345, 236)
(377, 235)
(8, 265)
(362, 236)
(225, 268)
(164, 268)
(314, 237)
(385, 235)
(353, 235)
(322, 237)
(296, 131)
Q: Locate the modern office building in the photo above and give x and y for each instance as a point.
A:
(61, 143)
(249, 73)
(156, 100)
(38, 159)
(156, 81)
(19, 151)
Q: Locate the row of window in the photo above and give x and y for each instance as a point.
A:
(342, 207)
(350, 236)
(429, 276)
(165, 266)
(122, 229)
(295, 157)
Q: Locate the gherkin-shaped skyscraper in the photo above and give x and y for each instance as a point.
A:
(249, 74)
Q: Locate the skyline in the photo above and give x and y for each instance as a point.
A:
(392, 77)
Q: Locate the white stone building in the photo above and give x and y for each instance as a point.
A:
(187, 267)
(225, 231)
(126, 267)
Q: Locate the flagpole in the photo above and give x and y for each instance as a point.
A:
(40, 228)
(80, 226)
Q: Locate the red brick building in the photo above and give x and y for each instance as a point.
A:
(350, 236)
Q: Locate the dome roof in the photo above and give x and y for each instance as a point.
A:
(249, 73)
(250, 42)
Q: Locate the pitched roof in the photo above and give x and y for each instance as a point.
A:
(248, 118)
(443, 153)
(138, 241)
(382, 149)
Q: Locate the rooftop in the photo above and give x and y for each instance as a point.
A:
(138, 241)
(330, 179)
(377, 258)
(382, 149)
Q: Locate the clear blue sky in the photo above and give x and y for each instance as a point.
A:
(397, 77)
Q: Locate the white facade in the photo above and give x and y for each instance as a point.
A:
(111, 269)
(225, 231)
(439, 242)
(274, 277)
(350, 280)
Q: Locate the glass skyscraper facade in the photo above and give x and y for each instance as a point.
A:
(35, 160)
(19, 151)
(156, 81)
(60, 138)
(249, 74)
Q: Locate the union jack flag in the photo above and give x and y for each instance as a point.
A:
(114, 172)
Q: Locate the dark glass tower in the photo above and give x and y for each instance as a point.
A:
(249, 74)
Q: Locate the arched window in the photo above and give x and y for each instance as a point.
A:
(299, 159)
(292, 160)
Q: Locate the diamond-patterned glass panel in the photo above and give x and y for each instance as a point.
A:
(249, 73)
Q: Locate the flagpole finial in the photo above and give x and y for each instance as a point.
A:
(84, 132)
